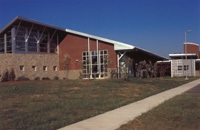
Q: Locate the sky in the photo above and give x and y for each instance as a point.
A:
(154, 25)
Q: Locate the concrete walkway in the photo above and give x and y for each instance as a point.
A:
(112, 120)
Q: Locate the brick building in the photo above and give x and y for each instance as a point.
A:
(34, 49)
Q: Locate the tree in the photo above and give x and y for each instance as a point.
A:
(5, 76)
(11, 75)
(125, 68)
(8, 75)
(146, 69)
(66, 64)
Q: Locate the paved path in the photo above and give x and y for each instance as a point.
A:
(112, 120)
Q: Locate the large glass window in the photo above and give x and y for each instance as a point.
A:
(37, 40)
(95, 64)
(20, 39)
(32, 42)
(2, 45)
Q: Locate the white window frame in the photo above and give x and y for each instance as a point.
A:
(95, 64)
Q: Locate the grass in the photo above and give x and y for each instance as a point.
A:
(180, 113)
(55, 104)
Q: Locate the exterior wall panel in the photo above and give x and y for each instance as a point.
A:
(28, 61)
(74, 46)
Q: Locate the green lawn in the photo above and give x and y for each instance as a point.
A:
(179, 113)
(55, 104)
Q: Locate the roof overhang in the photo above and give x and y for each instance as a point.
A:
(183, 56)
(138, 54)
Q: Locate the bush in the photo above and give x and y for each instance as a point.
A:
(5, 76)
(56, 78)
(22, 78)
(37, 78)
(11, 75)
(45, 78)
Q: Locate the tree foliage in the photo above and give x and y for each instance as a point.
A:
(66, 64)
(8, 75)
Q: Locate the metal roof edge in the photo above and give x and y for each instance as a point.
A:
(192, 43)
(183, 54)
(31, 21)
(7, 25)
(165, 61)
(117, 45)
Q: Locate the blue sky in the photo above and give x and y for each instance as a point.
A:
(155, 25)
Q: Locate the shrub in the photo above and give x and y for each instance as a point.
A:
(56, 78)
(22, 78)
(11, 75)
(5, 76)
(8, 75)
(37, 78)
(80, 75)
(45, 78)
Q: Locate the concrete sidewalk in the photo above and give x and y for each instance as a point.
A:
(112, 120)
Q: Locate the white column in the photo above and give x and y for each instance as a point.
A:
(13, 35)
(57, 44)
(5, 43)
(194, 62)
(118, 65)
(26, 40)
(98, 59)
(48, 44)
(90, 58)
(119, 56)
(38, 41)
(172, 72)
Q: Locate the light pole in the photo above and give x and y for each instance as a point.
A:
(186, 68)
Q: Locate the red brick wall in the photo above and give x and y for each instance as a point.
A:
(191, 48)
(74, 45)
(112, 56)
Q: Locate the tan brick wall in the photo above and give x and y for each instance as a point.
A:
(14, 61)
(70, 74)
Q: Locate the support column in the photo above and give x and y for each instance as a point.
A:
(38, 41)
(118, 65)
(119, 56)
(48, 44)
(26, 41)
(5, 43)
(172, 69)
(194, 65)
(13, 36)
(57, 45)
(90, 59)
(98, 59)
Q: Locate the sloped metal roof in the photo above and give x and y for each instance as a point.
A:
(118, 46)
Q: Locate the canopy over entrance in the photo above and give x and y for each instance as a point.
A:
(136, 56)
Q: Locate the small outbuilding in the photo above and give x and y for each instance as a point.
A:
(187, 63)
